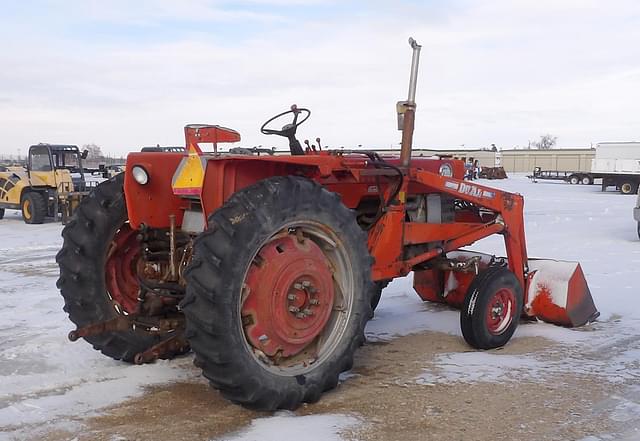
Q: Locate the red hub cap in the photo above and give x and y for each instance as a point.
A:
(500, 311)
(121, 268)
(288, 296)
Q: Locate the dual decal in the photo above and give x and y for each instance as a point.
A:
(471, 190)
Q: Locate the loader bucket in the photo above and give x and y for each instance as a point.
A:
(558, 293)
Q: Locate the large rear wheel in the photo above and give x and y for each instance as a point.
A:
(278, 294)
(100, 263)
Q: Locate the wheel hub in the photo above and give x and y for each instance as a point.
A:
(288, 296)
(26, 212)
(500, 311)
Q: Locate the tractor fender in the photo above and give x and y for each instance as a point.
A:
(225, 175)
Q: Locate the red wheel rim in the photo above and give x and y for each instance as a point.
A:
(501, 311)
(121, 269)
(288, 296)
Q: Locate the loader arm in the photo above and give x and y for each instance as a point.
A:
(554, 291)
(508, 221)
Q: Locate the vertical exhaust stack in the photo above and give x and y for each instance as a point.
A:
(407, 109)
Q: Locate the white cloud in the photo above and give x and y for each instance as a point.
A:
(491, 72)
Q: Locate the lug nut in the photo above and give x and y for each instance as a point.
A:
(292, 297)
(297, 286)
(300, 315)
(307, 312)
(306, 284)
(293, 309)
(314, 302)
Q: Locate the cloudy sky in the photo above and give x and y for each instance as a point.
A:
(124, 74)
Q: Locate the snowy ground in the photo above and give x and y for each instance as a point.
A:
(48, 383)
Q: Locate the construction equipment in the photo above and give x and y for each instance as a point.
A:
(51, 184)
(492, 173)
(269, 266)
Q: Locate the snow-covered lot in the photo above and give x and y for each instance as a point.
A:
(49, 385)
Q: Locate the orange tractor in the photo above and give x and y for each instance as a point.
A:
(269, 266)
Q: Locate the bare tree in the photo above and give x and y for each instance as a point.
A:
(95, 152)
(546, 142)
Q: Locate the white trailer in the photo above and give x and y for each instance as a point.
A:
(618, 164)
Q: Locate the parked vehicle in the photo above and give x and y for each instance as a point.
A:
(572, 177)
(52, 183)
(618, 164)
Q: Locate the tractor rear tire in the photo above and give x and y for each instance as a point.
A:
(586, 180)
(491, 308)
(247, 256)
(574, 179)
(82, 259)
(34, 208)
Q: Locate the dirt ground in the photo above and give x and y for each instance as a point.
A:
(382, 392)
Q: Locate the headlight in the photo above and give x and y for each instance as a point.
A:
(446, 170)
(140, 175)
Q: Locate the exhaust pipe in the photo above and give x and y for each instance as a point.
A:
(407, 109)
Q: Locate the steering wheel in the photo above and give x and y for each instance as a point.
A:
(287, 130)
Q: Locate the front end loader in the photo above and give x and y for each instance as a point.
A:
(269, 266)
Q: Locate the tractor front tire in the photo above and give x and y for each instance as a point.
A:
(1, 213)
(34, 208)
(491, 308)
(88, 238)
(278, 294)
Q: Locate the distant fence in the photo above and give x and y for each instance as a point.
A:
(520, 160)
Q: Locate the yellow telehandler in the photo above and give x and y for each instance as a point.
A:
(52, 183)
